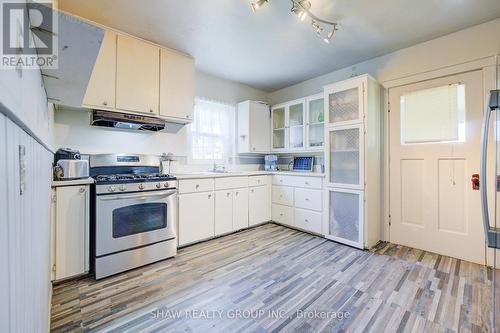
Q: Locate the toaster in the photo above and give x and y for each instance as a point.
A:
(71, 169)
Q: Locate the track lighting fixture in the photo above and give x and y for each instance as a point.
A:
(302, 9)
(257, 4)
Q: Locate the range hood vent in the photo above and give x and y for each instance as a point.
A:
(126, 121)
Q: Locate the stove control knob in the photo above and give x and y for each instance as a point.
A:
(141, 186)
(111, 188)
(158, 185)
(165, 185)
(123, 188)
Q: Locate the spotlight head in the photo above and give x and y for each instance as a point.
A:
(257, 4)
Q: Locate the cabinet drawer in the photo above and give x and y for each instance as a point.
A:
(195, 185)
(225, 183)
(283, 180)
(283, 195)
(308, 182)
(308, 199)
(257, 180)
(308, 220)
(282, 214)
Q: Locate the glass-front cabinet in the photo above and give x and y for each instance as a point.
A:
(352, 164)
(299, 125)
(315, 130)
(279, 130)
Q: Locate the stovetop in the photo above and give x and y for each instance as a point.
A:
(123, 178)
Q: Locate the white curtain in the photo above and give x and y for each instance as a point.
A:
(211, 132)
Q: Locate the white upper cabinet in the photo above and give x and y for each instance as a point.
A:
(101, 88)
(344, 102)
(279, 131)
(137, 76)
(315, 134)
(253, 127)
(176, 85)
(296, 111)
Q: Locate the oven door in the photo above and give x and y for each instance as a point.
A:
(132, 220)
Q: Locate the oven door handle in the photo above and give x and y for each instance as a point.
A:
(139, 196)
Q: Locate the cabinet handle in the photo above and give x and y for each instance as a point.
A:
(281, 180)
(306, 220)
(237, 193)
(228, 194)
(82, 189)
(281, 195)
(188, 116)
(307, 183)
(151, 110)
(209, 196)
(307, 199)
(197, 186)
(281, 214)
(258, 181)
(251, 191)
(105, 103)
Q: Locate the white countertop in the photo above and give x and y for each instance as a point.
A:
(73, 182)
(195, 175)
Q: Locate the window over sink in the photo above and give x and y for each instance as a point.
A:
(211, 132)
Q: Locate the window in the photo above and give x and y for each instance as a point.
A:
(433, 115)
(211, 132)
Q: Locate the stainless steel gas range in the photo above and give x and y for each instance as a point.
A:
(135, 213)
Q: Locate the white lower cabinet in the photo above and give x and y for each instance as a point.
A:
(196, 217)
(308, 220)
(259, 210)
(223, 212)
(71, 226)
(283, 214)
(240, 209)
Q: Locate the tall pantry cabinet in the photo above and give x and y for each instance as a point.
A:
(353, 161)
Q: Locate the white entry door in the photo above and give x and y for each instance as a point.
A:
(435, 129)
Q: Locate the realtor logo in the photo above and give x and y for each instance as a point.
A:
(28, 35)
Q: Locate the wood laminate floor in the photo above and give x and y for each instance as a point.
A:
(272, 278)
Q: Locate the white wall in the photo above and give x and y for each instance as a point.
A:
(469, 44)
(72, 126)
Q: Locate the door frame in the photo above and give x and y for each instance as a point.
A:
(489, 68)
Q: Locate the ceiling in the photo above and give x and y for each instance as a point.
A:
(272, 49)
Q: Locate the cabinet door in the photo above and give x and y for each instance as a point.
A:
(137, 76)
(259, 127)
(278, 115)
(258, 205)
(176, 85)
(345, 216)
(223, 212)
(72, 231)
(315, 122)
(296, 125)
(196, 217)
(102, 85)
(345, 156)
(344, 102)
(240, 208)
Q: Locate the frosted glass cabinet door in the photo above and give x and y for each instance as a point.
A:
(345, 103)
(278, 119)
(345, 157)
(296, 123)
(345, 220)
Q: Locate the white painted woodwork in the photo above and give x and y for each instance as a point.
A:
(240, 208)
(223, 212)
(223, 183)
(137, 76)
(433, 206)
(307, 182)
(353, 166)
(282, 214)
(101, 90)
(196, 185)
(312, 125)
(308, 220)
(24, 232)
(258, 205)
(72, 231)
(176, 85)
(257, 180)
(308, 199)
(283, 195)
(196, 217)
(253, 124)
(290, 131)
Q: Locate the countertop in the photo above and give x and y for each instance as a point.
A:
(195, 175)
(73, 182)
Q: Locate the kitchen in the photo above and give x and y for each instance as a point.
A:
(179, 170)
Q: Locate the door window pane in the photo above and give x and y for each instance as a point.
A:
(433, 115)
(135, 219)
